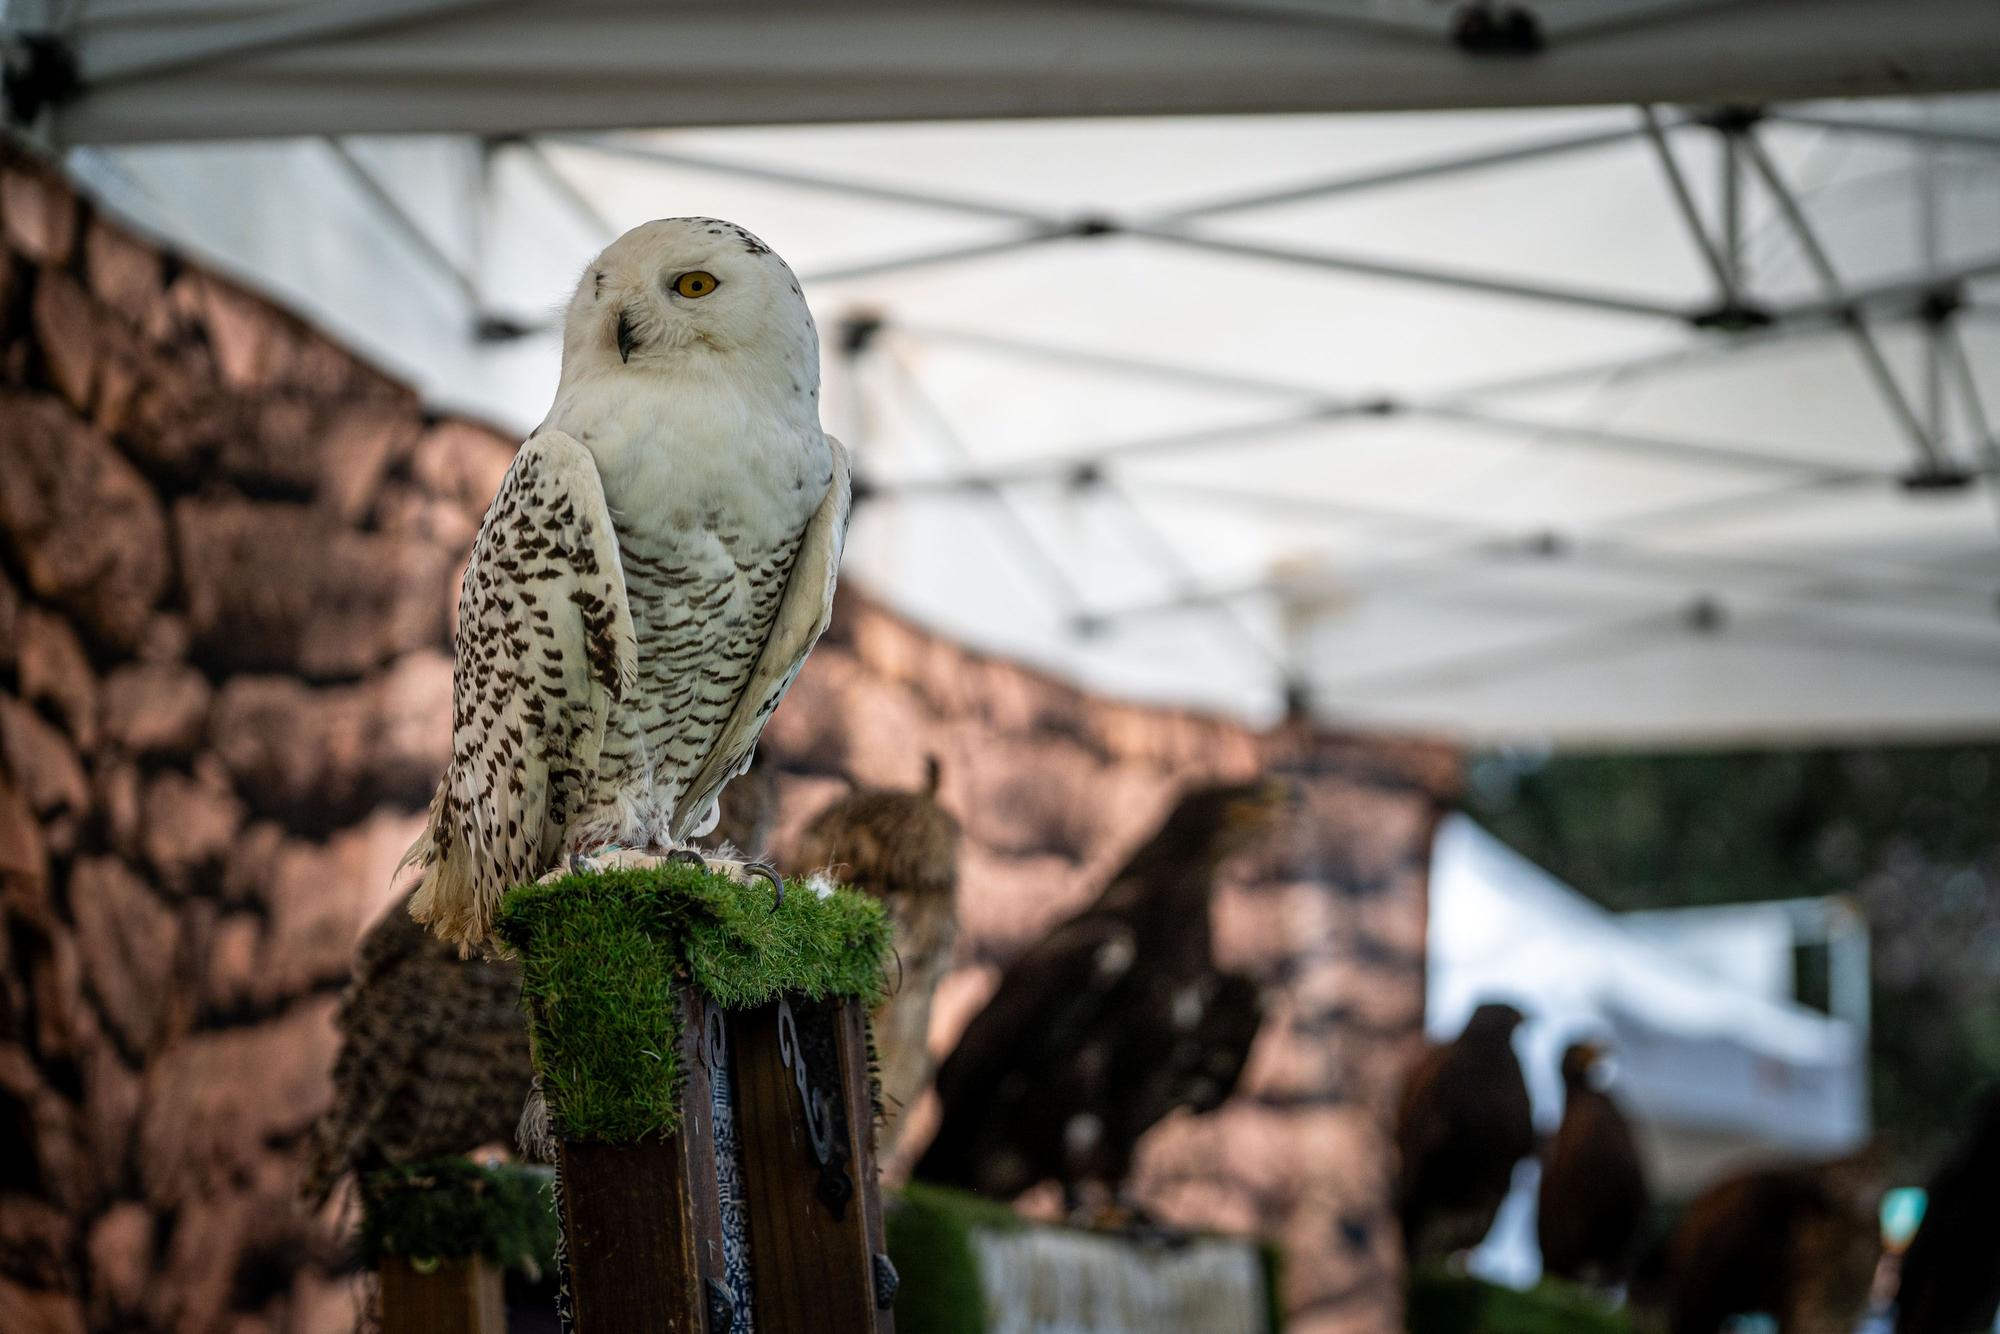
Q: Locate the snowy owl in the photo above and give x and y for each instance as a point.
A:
(655, 567)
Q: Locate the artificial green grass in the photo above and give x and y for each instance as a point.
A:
(1446, 1303)
(930, 1243)
(453, 1208)
(1273, 1261)
(604, 955)
(929, 1231)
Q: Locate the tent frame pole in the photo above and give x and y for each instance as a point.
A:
(290, 26)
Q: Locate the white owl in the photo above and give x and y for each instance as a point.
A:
(658, 562)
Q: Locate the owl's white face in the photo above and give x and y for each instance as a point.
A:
(677, 287)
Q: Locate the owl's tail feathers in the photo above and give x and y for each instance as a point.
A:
(448, 899)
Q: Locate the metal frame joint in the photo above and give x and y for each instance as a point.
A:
(1487, 29)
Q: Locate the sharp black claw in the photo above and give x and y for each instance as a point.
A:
(688, 855)
(770, 873)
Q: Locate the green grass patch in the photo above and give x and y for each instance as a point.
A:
(454, 1208)
(604, 956)
(930, 1243)
(930, 1231)
(1447, 1303)
(1273, 1261)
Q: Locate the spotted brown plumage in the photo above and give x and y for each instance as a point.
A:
(433, 1056)
(1111, 1021)
(902, 848)
(651, 575)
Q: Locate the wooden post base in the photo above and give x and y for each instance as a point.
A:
(806, 1123)
(642, 1227)
(454, 1297)
(630, 1237)
(765, 1197)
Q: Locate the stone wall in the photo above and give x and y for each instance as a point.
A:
(1055, 788)
(228, 550)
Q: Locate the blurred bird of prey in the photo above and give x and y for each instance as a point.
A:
(901, 847)
(1593, 1199)
(1951, 1273)
(1463, 1122)
(1798, 1242)
(1114, 1019)
(433, 1056)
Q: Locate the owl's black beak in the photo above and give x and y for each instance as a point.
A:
(626, 338)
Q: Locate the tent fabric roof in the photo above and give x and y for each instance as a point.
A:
(1610, 425)
(1501, 926)
(174, 71)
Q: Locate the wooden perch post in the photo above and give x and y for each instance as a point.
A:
(642, 1222)
(705, 1062)
(805, 1124)
(462, 1296)
(443, 1233)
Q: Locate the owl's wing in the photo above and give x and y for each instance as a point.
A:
(801, 618)
(545, 644)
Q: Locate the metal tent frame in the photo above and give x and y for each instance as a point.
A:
(1944, 432)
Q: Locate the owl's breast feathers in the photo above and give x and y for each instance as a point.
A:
(703, 602)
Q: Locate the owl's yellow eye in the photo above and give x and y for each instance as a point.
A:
(695, 283)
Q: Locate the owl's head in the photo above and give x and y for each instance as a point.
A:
(681, 287)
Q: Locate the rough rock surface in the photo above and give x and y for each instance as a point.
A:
(84, 528)
(188, 484)
(1054, 788)
(228, 553)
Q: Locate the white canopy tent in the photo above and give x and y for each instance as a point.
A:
(1609, 424)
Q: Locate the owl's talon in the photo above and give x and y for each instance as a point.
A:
(770, 873)
(735, 870)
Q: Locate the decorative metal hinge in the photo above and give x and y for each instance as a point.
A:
(887, 1280)
(733, 1209)
(714, 1036)
(794, 1056)
(835, 1187)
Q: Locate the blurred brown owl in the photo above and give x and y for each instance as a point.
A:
(901, 847)
(433, 1056)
